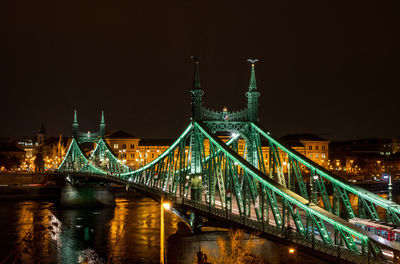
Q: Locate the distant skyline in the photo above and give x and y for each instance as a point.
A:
(327, 68)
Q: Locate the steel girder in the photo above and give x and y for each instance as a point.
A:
(226, 179)
(238, 187)
(101, 161)
(231, 126)
(278, 199)
(368, 202)
(103, 157)
(74, 160)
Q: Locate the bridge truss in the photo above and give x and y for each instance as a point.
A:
(207, 174)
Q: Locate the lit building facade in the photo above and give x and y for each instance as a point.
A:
(313, 147)
(136, 152)
(125, 146)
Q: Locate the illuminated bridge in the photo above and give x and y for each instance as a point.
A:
(299, 203)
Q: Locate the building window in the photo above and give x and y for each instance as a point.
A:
(316, 155)
(241, 147)
(152, 155)
(132, 146)
(310, 155)
(316, 148)
(115, 146)
(132, 155)
(323, 147)
(123, 146)
(310, 147)
(323, 155)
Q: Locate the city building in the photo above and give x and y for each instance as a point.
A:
(136, 152)
(11, 157)
(28, 145)
(41, 135)
(125, 147)
(371, 158)
(53, 150)
(313, 147)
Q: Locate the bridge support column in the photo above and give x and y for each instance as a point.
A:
(196, 187)
(196, 190)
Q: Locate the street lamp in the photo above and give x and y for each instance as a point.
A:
(166, 206)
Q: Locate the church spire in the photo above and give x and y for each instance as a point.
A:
(253, 85)
(75, 126)
(102, 125)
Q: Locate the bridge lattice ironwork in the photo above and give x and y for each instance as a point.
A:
(206, 173)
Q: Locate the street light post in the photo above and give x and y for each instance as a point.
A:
(167, 206)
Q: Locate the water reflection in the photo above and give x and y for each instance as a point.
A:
(41, 232)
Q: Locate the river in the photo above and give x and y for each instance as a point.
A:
(42, 232)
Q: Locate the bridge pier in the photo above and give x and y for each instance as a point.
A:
(86, 195)
(182, 247)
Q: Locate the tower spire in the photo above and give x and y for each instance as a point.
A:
(75, 126)
(253, 85)
(252, 94)
(102, 125)
(102, 118)
(196, 91)
(75, 118)
(196, 81)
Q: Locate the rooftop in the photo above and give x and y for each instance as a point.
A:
(302, 137)
(119, 134)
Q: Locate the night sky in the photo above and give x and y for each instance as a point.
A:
(326, 67)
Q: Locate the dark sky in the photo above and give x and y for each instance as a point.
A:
(326, 67)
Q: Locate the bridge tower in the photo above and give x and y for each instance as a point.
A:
(93, 137)
(236, 122)
(195, 140)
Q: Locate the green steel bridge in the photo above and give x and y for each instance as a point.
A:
(304, 205)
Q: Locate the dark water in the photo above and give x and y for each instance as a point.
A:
(42, 232)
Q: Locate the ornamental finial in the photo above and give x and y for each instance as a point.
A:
(253, 85)
(252, 61)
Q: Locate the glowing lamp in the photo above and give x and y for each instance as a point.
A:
(167, 206)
